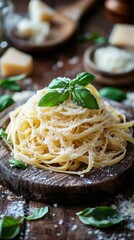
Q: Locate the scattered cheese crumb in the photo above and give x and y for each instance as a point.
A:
(130, 96)
(82, 175)
(61, 222)
(74, 227)
(74, 60)
(60, 64)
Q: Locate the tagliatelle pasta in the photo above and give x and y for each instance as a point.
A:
(68, 138)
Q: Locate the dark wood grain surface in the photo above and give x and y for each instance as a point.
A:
(62, 222)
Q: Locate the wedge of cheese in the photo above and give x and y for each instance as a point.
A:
(14, 62)
(122, 35)
(37, 31)
(39, 11)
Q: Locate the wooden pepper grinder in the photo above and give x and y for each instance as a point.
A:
(120, 10)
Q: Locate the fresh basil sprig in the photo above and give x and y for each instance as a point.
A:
(4, 136)
(62, 88)
(82, 79)
(10, 227)
(5, 101)
(10, 82)
(101, 217)
(17, 163)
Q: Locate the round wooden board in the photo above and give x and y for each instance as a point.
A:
(39, 185)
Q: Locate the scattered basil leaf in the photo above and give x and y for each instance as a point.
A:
(83, 79)
(10, 85)
(10, 82)
(101, 217)
(14, 78)
(113, 93)
(59, 83)
(5, 101)
(4, 136)
(17, 163)
(93, 37)
(84, 98)
(17, 77)
(53, 98)
(37, 214)
(9, 227)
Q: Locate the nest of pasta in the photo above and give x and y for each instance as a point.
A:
(68, 138)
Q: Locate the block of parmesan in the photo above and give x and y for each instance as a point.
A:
(39, 11)
(122, 35)
(14, 62)
(38, 31)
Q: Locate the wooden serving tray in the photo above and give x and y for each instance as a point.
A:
(45, 186)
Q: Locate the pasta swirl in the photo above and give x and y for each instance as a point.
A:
(68, 138)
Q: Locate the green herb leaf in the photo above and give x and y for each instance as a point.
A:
(10, 82)
(17, 163)
(53, 98)
(17, 77)
(37, 214)
(84, 98)
(4, 136)
(59, 83)
(93, 37)
(9, 227)
(83, 79)
(101, 217)
(5, 101)
(14, 78)
(62, 88)
(10, 85)
(113, 93)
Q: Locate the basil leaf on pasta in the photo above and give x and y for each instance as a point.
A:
(83, 79)
(53, 98)
(59, 83)
(84, 98)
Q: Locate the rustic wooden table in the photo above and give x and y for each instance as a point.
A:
(62, 222)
